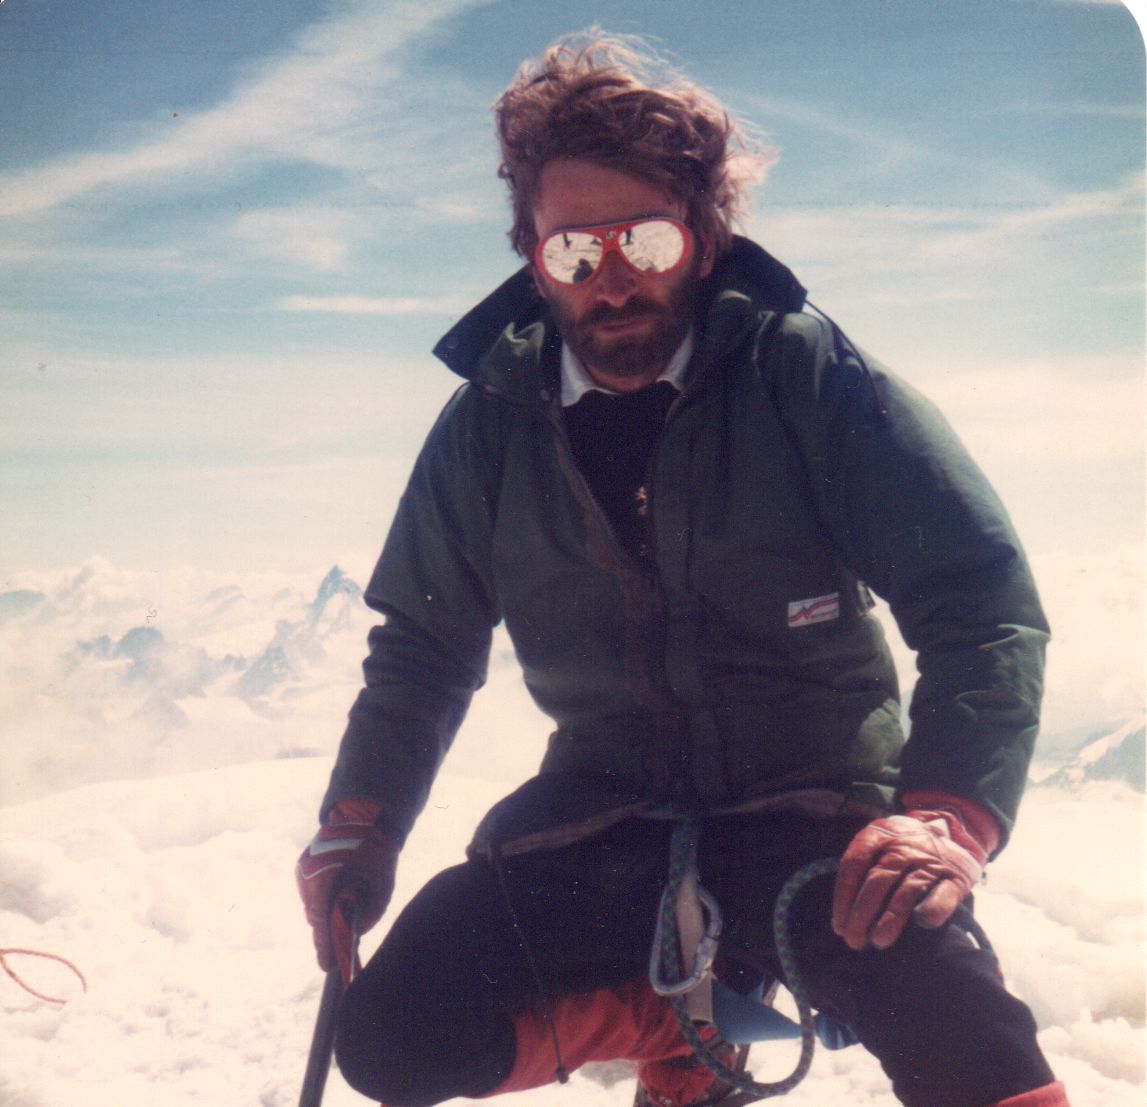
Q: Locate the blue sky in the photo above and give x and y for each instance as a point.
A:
(230, 234)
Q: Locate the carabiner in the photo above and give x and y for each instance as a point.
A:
(706, 948)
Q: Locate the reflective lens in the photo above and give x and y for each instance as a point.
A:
(649, 246)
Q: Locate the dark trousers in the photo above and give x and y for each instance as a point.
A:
(430, 1017)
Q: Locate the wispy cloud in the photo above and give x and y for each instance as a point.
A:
(310, 105)
(853, 244)
(324, 237)
(881, 148)
(377, 305)
(984, 238)
(1084, 3)
(318, 238)
(884, 154)
(1080, 109)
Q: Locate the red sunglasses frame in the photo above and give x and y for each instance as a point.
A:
(610, 235)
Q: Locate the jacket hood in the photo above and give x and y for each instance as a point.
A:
(501, 341)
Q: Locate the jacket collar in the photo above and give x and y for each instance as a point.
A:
(509, 342)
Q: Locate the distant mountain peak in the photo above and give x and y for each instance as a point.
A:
(15, 603)
(336, 582)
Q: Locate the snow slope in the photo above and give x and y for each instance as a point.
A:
(175, 898)
(158, 794)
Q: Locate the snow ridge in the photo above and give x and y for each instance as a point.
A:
(1118, 755)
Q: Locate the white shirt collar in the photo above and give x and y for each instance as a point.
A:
(576, 381)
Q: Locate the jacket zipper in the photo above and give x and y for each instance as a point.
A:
(570, 467)
(651, 463)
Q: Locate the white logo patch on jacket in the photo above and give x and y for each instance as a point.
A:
(819, 609)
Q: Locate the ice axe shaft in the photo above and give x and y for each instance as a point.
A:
(323, 1039)
(322, 1043)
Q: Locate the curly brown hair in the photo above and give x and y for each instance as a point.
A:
(611, 100)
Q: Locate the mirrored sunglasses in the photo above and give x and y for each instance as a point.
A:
(656, 246)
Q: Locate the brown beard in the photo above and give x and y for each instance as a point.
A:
(640, 355)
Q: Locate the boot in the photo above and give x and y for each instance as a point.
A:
(629, 1023)
(686, 1081)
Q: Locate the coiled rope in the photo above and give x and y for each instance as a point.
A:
(6, 953)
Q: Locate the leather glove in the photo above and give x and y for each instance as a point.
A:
(919, 865)
(349, 864)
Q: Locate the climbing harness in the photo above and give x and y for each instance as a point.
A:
(665, 962)
(6, 953)
(665, 959)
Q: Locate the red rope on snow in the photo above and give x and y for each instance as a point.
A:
(5, 953)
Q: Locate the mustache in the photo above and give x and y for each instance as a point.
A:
(635, 309)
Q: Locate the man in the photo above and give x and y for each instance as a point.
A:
(676, 489)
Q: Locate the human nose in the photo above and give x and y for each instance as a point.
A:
(616, 281)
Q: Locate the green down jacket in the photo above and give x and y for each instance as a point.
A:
(792, 475)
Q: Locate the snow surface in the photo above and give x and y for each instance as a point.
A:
(157, 793)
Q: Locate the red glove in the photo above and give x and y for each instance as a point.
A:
(919, 865)
(349, 864)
